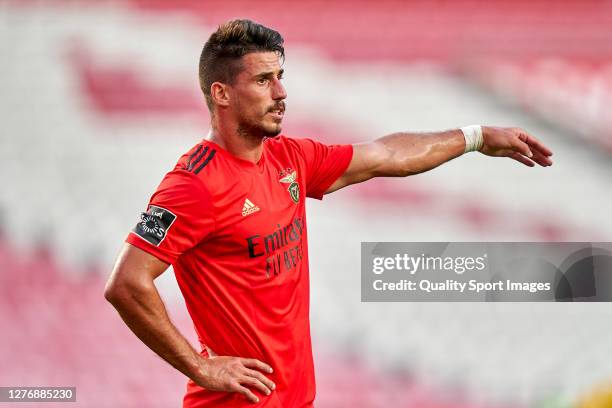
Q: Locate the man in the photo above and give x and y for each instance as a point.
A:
(230, 217)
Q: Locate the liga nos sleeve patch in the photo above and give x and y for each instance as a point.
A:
(154, 224)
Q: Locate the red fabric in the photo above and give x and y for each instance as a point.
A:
(245, 277)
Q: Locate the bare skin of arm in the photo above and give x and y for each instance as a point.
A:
(131, 290)
(405, 154)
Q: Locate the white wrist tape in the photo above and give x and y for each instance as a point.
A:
(473, 137)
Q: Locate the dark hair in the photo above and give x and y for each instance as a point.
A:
(220, 60)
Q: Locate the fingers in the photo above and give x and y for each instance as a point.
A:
(253, 363)
(516, 144)
(255, 379)
(522, 159)
(246, 392)
(262, 378)
(534, 143)
(542, 160)
(527, 145)
(522, 148)
(253, 382)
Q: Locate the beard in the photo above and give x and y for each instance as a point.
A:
(261, 127)
(258, 129)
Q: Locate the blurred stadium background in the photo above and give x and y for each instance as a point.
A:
(99, 98)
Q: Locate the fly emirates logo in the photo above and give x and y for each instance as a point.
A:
(282, 247)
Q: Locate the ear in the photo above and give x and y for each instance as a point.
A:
(219, 93)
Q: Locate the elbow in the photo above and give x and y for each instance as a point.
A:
(121, 290)
(132, 277)
(112, 291)
(117, 290)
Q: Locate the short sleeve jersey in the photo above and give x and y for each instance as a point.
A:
(235, 233)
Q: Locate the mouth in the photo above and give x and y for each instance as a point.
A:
(277, 113)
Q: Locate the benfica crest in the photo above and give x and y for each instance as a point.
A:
(288, 177)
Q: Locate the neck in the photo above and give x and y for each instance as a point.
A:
(236, 141)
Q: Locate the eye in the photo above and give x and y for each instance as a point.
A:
(262, 81)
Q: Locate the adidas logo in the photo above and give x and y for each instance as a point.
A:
(249, 208)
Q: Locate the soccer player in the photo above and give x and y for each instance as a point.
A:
(230, 217)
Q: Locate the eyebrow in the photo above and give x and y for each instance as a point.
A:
(269, 74)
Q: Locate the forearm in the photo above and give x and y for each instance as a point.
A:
(413, 153)
(404, 154)
(143, 310)
(132, 291)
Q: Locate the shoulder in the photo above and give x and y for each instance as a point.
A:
(190, 171)
(196, 159)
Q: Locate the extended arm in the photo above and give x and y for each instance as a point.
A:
(405, 154)
(132, 292)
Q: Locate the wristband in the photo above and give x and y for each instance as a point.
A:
(473, 137)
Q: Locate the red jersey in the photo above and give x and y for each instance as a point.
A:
(235, 233)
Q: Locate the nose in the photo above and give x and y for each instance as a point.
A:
(278, 92)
